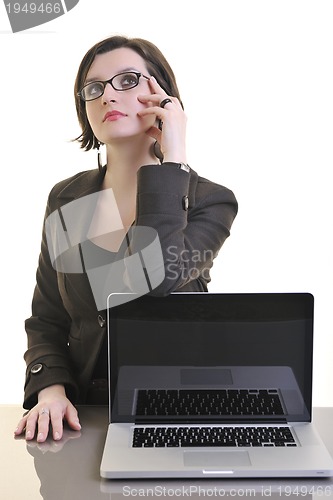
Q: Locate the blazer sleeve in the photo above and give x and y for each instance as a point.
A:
(193, 218)
(47, 357)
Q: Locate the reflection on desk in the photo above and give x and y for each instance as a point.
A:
(69, 469)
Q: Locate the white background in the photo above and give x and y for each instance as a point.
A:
(256, 79)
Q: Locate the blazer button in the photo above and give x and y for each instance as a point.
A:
(185, 202)
(101, 321)
(36, 368)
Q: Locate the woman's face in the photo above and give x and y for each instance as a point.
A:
(126, 123)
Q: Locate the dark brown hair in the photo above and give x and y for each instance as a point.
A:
(156, 64)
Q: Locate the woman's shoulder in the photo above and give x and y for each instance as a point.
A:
(207, 188)
(77, 184)
(73, 179)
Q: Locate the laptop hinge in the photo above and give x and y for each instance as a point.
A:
(173, 421)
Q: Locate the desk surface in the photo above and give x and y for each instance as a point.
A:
(69, 469)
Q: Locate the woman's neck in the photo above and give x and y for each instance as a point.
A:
(124, 159)
(123, 162)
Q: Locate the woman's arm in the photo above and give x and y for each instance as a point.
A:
(192, 217)
(47, 330)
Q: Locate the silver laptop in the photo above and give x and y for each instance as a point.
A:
(212, 385)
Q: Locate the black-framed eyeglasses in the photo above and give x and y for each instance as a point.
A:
(123, 81)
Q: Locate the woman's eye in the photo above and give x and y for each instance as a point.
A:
(128, 81)
(93, 89)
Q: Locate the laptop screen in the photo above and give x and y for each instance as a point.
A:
(206, 357)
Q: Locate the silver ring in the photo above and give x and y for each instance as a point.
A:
(44, 410)
(164, 102)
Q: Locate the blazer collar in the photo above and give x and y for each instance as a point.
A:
(83, 184)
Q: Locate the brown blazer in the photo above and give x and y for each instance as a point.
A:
(191, 215)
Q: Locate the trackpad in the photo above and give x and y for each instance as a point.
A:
(216, 458)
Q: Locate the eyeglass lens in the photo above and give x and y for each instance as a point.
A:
(123, 81)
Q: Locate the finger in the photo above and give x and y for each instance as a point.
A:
(72, 418)
(151, 99)
(157, 95)
(43, 425)
(30, 426)
(56, 419)
(157, 99)
(154, 110)
(20, 426)
(156, 87)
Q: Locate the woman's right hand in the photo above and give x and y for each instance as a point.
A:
(53, 407)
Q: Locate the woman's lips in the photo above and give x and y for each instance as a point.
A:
(112, 116)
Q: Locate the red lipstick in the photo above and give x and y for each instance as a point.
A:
(113, 115)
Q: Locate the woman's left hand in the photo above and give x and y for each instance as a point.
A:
(172, 137)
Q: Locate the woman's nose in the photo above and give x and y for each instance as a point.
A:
(109, 94)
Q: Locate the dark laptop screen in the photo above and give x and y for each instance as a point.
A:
(210, 357)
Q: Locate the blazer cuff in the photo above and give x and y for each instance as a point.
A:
(43, 373)
(162, 189)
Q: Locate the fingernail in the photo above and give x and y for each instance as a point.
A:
(56, 436)
(28, 434)
(40, 436)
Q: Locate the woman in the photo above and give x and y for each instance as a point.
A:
(126, 98)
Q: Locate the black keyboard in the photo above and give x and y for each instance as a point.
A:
(149, 437)
(246, 402)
